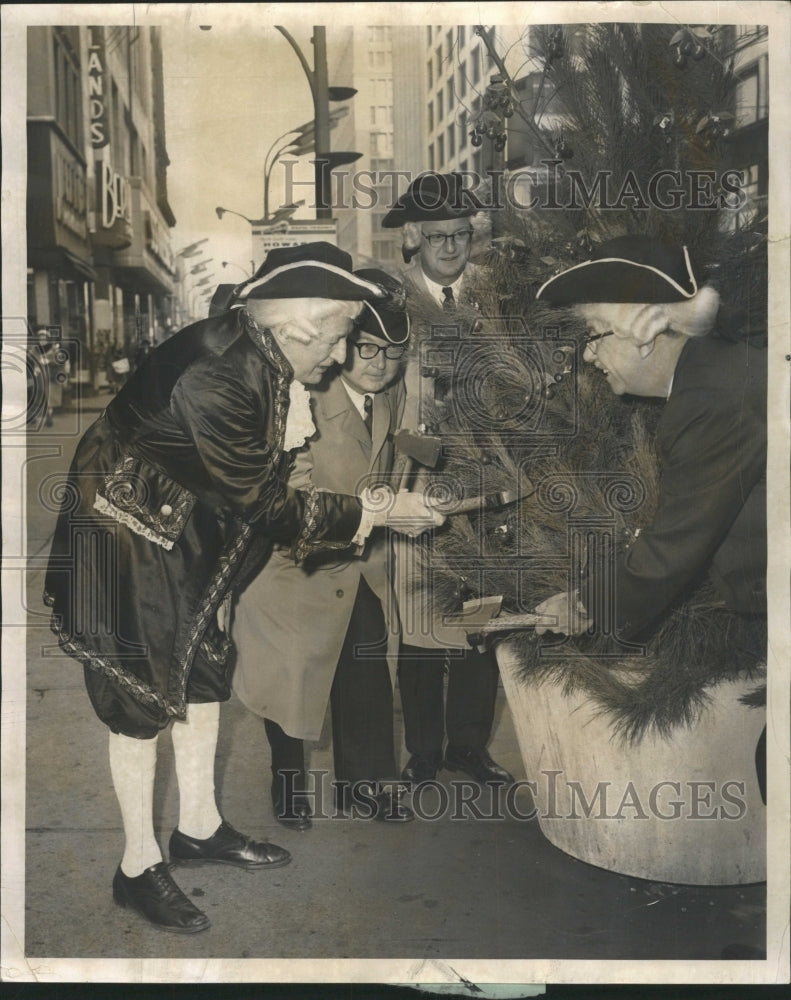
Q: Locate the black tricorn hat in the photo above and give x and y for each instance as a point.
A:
(309, 271)
(431, 198)
(625, 269)
(386, 319)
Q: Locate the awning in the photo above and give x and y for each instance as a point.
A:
(66, 263)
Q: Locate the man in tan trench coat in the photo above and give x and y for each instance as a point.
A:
(306, 635)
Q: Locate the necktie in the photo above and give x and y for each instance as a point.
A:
(449, 305)
(368, 407)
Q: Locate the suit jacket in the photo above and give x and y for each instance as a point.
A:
(167, 493)
(711, 513)
(290, 622)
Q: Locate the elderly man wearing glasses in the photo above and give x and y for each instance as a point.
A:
(319, 632)
(435, 214)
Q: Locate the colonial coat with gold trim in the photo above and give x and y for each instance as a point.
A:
(181, 480)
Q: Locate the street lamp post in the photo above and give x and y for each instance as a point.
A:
(322, 94)
(230, 263)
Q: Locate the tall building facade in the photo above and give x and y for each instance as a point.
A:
(386, 123)
(101, 270)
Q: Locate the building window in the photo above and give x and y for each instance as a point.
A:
(428, 34)
(431, 116)
(431, 162)
(752, 103)
(449, 43)
(451, 96)
(451, 141)
(440, 150)
(68, 101)
(438, 60)
(440, 107)
(462, 36)
(381, 164)
(463, 166)
(384, 250)
(461, 85)
(476, 66)
(463, 130)
(430, 69)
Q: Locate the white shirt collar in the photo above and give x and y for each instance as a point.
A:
(435, 289)
(357, 398)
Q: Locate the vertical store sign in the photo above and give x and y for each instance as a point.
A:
(96, 88)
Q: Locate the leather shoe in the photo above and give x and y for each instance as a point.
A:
(293, 811)
(227, 847)
(476, 762)
(386, 807)
(156, 896)
(421, 767)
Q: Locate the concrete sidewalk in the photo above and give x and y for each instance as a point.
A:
(448, 888)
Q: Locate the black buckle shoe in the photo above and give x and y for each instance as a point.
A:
(156, 897)
(227, 847)
(476, 762)
(421, 767)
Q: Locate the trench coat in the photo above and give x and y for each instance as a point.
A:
(176, 492)
(290, 622)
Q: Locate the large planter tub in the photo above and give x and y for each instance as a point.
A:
(685, 810)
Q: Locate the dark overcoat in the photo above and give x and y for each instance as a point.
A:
(711, 509)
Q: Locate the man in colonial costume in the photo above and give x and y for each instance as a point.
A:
(181, 481)
(652, 333)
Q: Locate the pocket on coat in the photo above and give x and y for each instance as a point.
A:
(146, 500)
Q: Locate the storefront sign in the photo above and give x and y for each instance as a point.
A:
(291, 234)
(70, 193)
(115, 195)
(157, 241)
(96, 89)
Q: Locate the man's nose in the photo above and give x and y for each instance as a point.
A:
(379, 361)
(339, 352)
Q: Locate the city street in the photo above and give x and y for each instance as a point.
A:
(450, 888)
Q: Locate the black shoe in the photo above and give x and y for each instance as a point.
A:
(156, 896)
(227, 847)
(385, 807)
(476, 762)
(293, 811)
(389, 809)
(421, 767)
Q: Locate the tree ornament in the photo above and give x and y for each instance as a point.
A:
(679, 60)
(698, 52)
(687, 47)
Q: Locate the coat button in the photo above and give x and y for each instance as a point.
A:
(339, 593)
(165, 510)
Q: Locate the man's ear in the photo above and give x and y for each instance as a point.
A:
(411, 237)
(648, 324)
(646, 349)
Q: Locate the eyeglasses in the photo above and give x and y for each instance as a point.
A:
(596, 336)
(436, 240)
(393, 352)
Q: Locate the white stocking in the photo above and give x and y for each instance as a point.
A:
(195, 748)
(133, 765)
